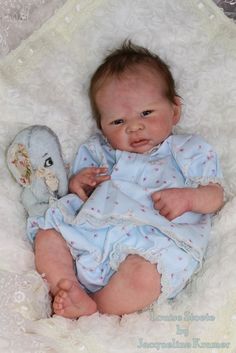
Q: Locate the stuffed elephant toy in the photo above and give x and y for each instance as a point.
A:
(35, 160)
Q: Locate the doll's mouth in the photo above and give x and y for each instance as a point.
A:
(139, 143)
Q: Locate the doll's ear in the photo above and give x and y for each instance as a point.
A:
(19, 163)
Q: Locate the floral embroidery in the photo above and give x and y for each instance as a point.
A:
(20, 159)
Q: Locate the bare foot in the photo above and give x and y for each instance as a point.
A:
(71, 301)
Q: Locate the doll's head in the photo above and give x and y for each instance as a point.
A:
(35, 160)
(134, 100)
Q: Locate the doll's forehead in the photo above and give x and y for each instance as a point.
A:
(141, 78)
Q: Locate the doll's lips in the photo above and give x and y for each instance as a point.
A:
(139, 143)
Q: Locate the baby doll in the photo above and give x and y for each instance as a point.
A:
(136, 226)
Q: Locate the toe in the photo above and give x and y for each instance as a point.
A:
(57, 306)
(58, 300)
(61, 294)
(59, 312)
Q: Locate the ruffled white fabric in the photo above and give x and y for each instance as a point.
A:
(44, 81)
(19, 18)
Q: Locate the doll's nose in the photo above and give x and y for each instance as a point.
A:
(134, 126)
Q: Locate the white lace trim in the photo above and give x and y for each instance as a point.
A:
(115, 219)
(195, 182)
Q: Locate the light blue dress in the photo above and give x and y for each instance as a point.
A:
(119, 218)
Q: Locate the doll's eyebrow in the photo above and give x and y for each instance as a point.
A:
(45, 154)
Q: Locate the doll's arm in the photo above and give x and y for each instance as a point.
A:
(201, 170)
(172, 203)
(206, 198)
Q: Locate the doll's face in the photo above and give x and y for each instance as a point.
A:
(35, 160)
(47, 163)
(135, 114)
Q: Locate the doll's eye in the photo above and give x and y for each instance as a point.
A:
(145, 113)
(117, 122)
(48, 162)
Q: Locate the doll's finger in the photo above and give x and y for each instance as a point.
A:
(164, 211)
(174, 214)
(156, 196)
(90, 181)
(158, 205)
(82, 194)
(101, 178)
(91, 178)
(102, 170)
(170, 216)
(97, 171)
(87, 178)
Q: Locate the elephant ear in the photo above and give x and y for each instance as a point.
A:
(19, 163)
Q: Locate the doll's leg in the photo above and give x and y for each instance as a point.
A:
(134, 286)
(53, 258)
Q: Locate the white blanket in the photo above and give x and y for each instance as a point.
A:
(45, 81)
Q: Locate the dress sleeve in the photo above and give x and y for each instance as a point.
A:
(93, 153)
(197, 161)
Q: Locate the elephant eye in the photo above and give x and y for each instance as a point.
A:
(48, 162)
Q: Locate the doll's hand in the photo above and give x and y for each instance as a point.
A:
(172, 203)
(84, 182)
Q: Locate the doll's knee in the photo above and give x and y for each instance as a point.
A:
(140, 274)
(47, 235)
